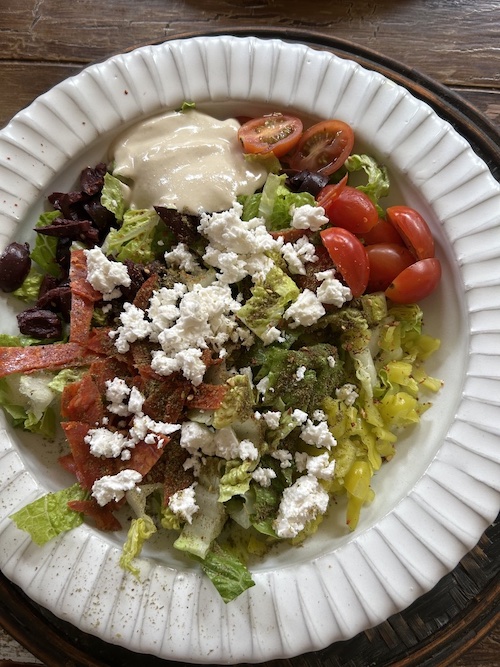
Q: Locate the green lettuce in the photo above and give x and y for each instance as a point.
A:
(236, 479)
(30, 287)
(112, 196)
(227, 572)
(134, 240)
(237, 404)
(45, 248)
(140, 530)
(268, 302)
(275, 203)
(50, 515)
(378, 179)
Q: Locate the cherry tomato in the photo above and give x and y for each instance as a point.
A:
(413, 229)
(275, 133)
(349, 256)
(416, 281)
(324, 147)
(386, 260)
(329, 193)
(382, 232)
(353, 210)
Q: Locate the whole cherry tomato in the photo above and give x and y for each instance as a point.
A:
(386, 260)
(277, 134)
(413, 229)
(323, 147)
(349, 256)
(416, 281)
(353, 210)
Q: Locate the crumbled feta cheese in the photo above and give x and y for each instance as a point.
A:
(272, 418)
(305, 310)
(263, 476)
(271, 335)
(331, 290)
(181, 257)
(347, 393)
(104, 275)
(301, 503)
(135, 401)
(319, 416)
(318, 435)
(319, 466)
(134, 326)
(300, 373)
(117, 390)
(113, 487)
(237, 247)
(299, 415)
(196, 437)
(283, 456)
(103, 442)
(223, 442)
(331, 361)
(247, 451)
(309, 217)
(183, 503)
(298, 253)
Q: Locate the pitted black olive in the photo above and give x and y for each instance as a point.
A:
(15, 263)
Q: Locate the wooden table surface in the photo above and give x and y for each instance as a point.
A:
(456, 42)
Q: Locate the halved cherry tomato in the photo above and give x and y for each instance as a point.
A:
(324, 147)
(386, 260)
(416, 281)
(382, 232)
(349, 256)
(413, 229)
(275, 133)
(353, 210)
(329, 193)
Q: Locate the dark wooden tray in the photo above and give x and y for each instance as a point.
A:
(437, 627)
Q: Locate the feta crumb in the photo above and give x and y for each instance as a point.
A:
(271, 335)
(300, 373)
(183, 503)
(113, 487)
(247, 451)
(331, 361)
(319, 416)
(134, 326)
(309, 217)
(347, 393)
(104, 275)
(318, 435)
(301, 503)
(331, 290)
(319, 466)
(103, 442)
(299, 415)
(272, 418)
(263, 476)
(117, 390)
(181, 256)
(305, 310)
(297, 254)
(283, 456)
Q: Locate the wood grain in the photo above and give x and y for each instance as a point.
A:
(456, 42)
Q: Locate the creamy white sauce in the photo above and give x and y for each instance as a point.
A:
(185, 160)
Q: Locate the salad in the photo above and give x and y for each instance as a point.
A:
(225, 373)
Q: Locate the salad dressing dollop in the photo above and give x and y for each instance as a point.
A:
(185, 160)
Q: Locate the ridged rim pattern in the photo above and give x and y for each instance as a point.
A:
(308, 604)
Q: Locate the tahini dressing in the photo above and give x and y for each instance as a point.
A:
(185, 160)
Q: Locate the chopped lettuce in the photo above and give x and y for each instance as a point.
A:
(237, 405)
(275, 203)
(45, 248)
(140, 530)
(378, 179)
(135, 238)
(268, 302)
(50, 515)
(227, 572)
(30, 287)
(236, 479)
(113, 196)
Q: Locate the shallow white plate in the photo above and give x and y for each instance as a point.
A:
(434, 500)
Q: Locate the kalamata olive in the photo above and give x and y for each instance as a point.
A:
(15, 263)
(307, 181)
(39, 323)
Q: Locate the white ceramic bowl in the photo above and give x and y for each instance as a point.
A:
(433, 501)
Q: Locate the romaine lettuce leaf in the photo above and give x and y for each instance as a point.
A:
(237, 404)
(44, 250)
(140, 530)
(112, 196)
(378, 179)
(236, 479)
(30, 288)
(50, 515)
(227, 572)
(134, 239)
